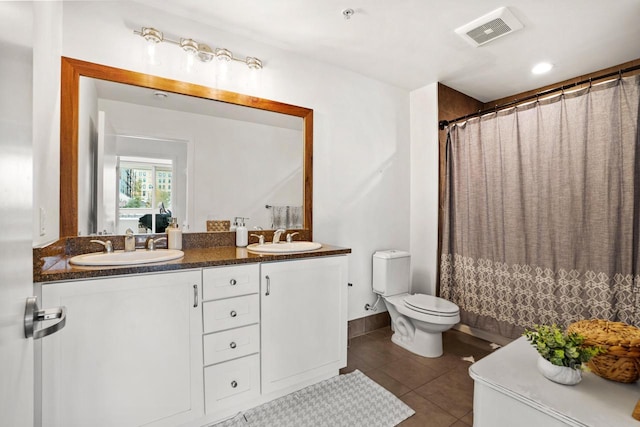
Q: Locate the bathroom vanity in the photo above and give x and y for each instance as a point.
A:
(194, 344)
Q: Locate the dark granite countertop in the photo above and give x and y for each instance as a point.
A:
(52, 265)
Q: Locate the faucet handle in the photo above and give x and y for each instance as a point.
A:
(151, 242)
(108, 246)
(260, 238)
(290, 237)
(277, 234)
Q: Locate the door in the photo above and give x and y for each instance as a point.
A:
(129, 355)
(304, 321)
(16, 351)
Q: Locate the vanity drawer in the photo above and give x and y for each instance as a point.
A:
(231, 383)
(225, 282)
(231, 344)
(230, 313)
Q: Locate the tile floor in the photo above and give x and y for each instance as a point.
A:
(439, 390)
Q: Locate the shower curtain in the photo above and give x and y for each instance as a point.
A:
(541, 212)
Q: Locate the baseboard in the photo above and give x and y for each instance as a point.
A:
(367, 324)
(484, 335)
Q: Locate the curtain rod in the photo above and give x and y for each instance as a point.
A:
(444, 123)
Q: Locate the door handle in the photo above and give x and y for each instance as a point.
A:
(268, 286)
(33, 315)
(195, 295)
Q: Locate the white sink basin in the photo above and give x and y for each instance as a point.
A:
(126, 258)
(283, 247)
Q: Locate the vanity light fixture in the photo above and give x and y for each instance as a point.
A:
(224, 54)
(253, 63)
(189, 45)
(202, 51)
(205, 54)
(151, 35)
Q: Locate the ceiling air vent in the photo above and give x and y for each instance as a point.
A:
(489, 27)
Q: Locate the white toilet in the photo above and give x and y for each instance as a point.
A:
(418, 320)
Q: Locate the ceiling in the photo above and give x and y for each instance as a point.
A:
(412, 43)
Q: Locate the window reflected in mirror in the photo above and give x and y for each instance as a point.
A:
(144, 195)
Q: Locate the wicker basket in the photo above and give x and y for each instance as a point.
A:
(622, 361)
(218, 225)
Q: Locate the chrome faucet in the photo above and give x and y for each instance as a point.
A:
(290, 236)
(108, 246)
(260, 238)
(129, 241)
(151, 243)
(277, 234)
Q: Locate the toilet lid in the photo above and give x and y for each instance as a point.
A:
(431, 305)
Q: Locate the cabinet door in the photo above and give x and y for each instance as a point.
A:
(304, 321)
(129, 355)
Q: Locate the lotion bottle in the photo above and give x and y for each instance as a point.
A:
(174, 235)
(242, 235)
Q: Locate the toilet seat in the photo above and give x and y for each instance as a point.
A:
(435, 317)
(432, 305)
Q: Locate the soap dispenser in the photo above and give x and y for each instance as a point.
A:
(242, 236)
(174, 235)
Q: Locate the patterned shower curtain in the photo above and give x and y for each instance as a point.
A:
(542, 212)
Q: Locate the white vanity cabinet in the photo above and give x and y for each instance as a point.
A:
(303, 321)
(129, 355)
(190, 348)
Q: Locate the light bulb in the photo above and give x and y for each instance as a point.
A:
(541, 68)
(151, 35)
(223, 54)
(189, 45)
(205, 54)
(253, 63)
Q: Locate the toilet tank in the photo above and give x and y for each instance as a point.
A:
(391, 269)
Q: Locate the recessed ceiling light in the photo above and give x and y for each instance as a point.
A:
(541, 68)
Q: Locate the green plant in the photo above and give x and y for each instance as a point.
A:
(559, 348)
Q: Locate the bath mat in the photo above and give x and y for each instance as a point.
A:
(351, 400)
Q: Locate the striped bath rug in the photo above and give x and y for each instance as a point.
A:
(351, 400)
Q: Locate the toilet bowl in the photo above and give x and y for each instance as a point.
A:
(418, 320)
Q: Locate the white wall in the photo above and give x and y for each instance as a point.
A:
(47, 47)
(87, 149)
(424, 188)
(238, 167)
(361, 126)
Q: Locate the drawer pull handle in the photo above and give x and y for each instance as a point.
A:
(268, 292)
(234, 384)
(232, 345)
(232, 282)
(195, 295)
(233, 313)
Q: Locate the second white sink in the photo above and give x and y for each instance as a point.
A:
(283, 247)
(126, 258)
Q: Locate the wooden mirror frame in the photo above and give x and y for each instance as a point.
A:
(73, 69)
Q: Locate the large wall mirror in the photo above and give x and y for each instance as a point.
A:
(136, 150)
